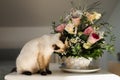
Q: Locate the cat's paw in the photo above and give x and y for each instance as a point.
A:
(48, 72)
(43, 73)
(27, 73)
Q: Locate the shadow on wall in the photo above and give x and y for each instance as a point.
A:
(9, 54)
(118, 56)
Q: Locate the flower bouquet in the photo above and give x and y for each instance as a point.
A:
(85, 36)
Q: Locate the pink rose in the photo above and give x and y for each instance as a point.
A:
(93, 38)
(88, 30)
(76, 21)
(60, 28)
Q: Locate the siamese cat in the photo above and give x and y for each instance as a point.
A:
(35, 54)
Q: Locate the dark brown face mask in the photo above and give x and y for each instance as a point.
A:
(55, 47)
(62, 38)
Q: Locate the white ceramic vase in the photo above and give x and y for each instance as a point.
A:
(76, 62)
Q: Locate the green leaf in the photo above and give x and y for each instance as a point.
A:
(84, 37)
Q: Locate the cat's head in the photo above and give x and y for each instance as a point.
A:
(61, 43)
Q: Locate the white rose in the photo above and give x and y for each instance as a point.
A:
(70, 28)
(97, 15)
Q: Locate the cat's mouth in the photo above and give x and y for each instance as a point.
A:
(59, 51)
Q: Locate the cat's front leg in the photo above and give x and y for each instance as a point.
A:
(47, 69)
(42, 65)
(43, 72)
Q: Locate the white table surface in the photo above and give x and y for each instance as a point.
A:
(57, 74)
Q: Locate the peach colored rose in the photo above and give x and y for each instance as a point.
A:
(76, 21)
(88, 30)
(60, 28)
(90, 17)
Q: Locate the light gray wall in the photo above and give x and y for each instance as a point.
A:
(42, 12)
(16, 37)
(31, 12)
(115, 21)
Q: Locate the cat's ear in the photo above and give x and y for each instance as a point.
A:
(62, 38)
(57, 35)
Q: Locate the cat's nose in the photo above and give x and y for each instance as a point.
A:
(62, 50)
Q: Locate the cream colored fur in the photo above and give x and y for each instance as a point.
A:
(35, 55)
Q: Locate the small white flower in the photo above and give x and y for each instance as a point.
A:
(101, 34)
(73, 40)
(68, 17)
(93, 16)
(76, 13)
